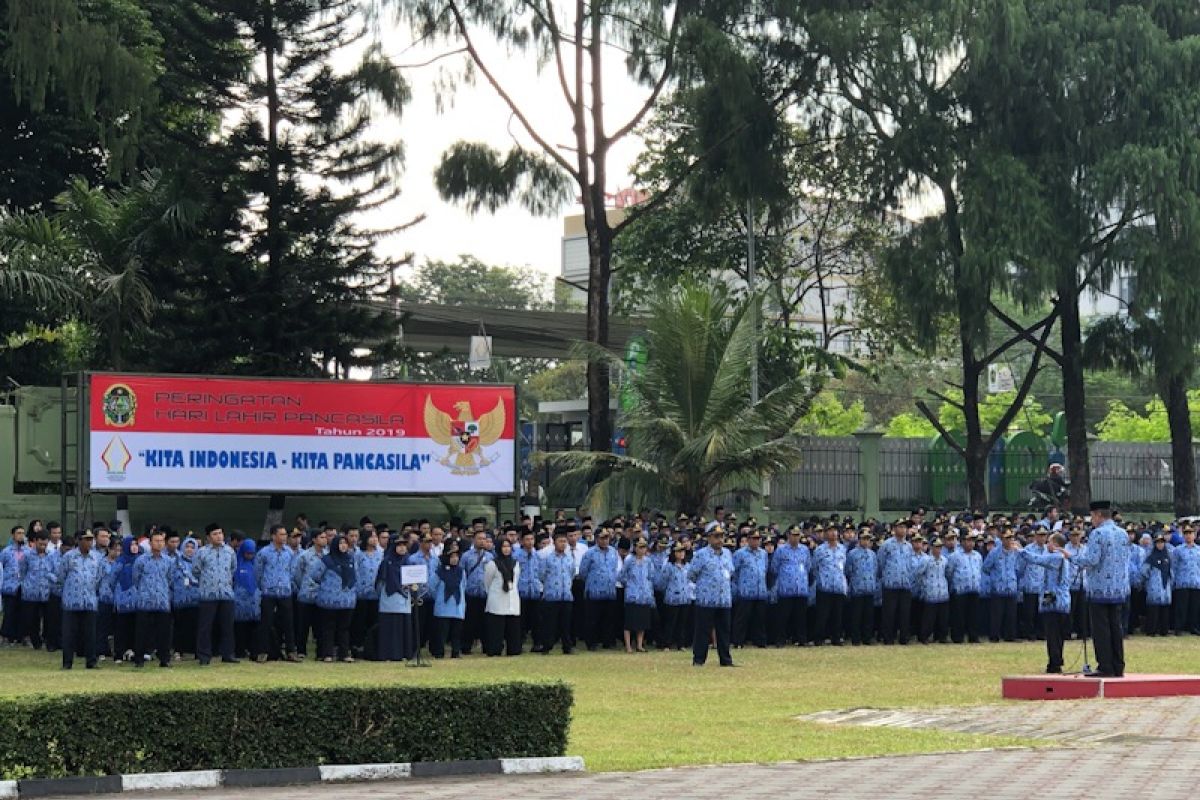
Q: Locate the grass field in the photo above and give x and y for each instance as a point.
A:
(656, 710)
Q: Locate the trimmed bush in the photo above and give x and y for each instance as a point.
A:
(107, 734)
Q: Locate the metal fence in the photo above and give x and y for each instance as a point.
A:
(829, 477)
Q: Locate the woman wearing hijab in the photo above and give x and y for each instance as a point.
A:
(335, 578)
(185, 600)
(247, 602)
(1156, 572)
(106, 618)
(502, 614)
(395, 606)
(125, 604)
(448, 591)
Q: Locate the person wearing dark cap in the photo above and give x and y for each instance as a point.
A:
(1030, 582)
(1054, 596)
(637, 574)
(1106, 559)
(1156, 571)
(672, 581)
(862, 576)
(964, 572)
(80, 575)
(829, 574)
(598, 570)
(750, 593)
(896, 558)
(1001, 569)
(1080, 624)
(935, 595)
(711, 572)
(790, 567)
(1185, 583)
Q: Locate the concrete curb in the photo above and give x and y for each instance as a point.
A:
(332, 773)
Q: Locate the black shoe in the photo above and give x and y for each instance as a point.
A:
(164, 665)
(697, 664)
(66, 667)
(139, 664)
(567, 651)
(728, 664)
(91, 666)
(204, 662)
(231, 661)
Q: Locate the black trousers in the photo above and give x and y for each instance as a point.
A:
(185, 629)
(52, 628)
(502, 632)
(306, 623)
(861, 613)
(897, 616)
(829, 617)
(1030, 621)
(11, 627)
(935, 622)
(443, 629)
(124, 633)
(1107, 637)
(1058, 628)
(275, 624)
(105, 624)
(78, 628)
(334, 641)
(555, 621)
(1002, 619)
(473, 624)
(601, 616)
(675, 627)
(366, 617)
(793, 620)
(529, 620)
(1080, 623)
(1187, 610)
(214, 614)
(749, 623)
(153, 634)
(1158, 620)
(707, 620)
(962, 617)
(33, 621)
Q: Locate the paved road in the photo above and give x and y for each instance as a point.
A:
(1146, 749)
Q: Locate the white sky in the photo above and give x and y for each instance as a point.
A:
(511, 236)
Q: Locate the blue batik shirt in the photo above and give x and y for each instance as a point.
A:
(305, 564)
(273, 571)
(672, 581)
(37, 574)
(1106, 559)
(829, 569)
(1185, 567)
(213, 569)
(1054, 575)
(529, 585)
(152, 581)
(598, 569)
(556, 574)
(473, 564)
(1030, 581)
(366, 570)
(80, 577)
(1001, 569)
(750, 574)
(712, 573)
(964, 571)
(790, 565)
(895, 564)
(10, 558)
(637, 575)
(934, 588)
(862, 572)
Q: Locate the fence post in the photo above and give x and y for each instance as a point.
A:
(8, 450)
(869, 463)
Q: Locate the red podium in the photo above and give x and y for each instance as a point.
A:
(1084, 687)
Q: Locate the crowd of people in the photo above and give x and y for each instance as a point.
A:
(632, 582)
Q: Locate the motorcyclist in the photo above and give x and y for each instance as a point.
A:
(1052, 489)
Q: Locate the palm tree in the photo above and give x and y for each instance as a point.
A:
(689, 420)
(35, 267)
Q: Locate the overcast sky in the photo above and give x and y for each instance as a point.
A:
(511, 236)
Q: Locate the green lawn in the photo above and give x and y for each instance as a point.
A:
(656, 710)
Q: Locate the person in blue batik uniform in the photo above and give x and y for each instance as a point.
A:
(1106, 559)
(125, 602)
(213, 569)
(474, 564)
(598, 571)
(447, 587)
(273, 574)
(307, 613)
(790, 565)
(1053, 573)
(367, 561)
(152, 576)
(895, 559)
(676, 589)
(556, 573)
(185, 599)
(935, 594)
(1028, 583)
(750, 593)
(964, 571)
(396, 635)
(711, 571)
(637, 575)
(1156, 573)
(1001, 568)
(336, 581)
(829, 573)
(80, 576)
(247, 602)
(37, 574)
(862, 579)
(1185, 584)
(10, 584)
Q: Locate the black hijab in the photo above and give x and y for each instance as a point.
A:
(390, 567)
(506, 565)
(340, 562)
(451, 577)
(1160, 560)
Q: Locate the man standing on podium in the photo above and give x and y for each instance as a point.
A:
(1106, 559)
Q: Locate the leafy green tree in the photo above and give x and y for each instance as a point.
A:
(828, 417)
(470, 282)
(908, 425)
(691, 426)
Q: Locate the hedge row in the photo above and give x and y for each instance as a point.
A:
(108, 734)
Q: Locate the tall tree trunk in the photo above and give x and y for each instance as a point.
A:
(1183, 464)
(274, 234)
(599, 249)
(1073, 391)
(976, 456)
